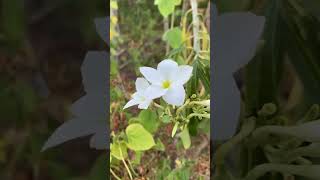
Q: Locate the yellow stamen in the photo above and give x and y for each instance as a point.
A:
(166, 84)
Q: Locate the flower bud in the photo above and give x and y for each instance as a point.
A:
(268, 109)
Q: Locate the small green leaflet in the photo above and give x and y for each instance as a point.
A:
(159, 146)
(115, 150)
(166, 7)
(173, 37)
(185, 137)
(148, 119)
(139, 139)
(175, 128)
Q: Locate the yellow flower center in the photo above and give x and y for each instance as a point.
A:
(166, 84)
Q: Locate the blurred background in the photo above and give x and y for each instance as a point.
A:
(284, 73)
(42, 46)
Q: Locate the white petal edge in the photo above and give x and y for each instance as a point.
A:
(183, 75)
(141, 84)
(132, 102)
(175, 95)
(152, 75)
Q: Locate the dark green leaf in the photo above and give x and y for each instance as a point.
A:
(149, 120)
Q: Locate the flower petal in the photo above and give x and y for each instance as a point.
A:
(152, 75)
(175, 95)
(154, 91)
(167, 68)
(132, 102)
(183, 74)
(145, 104)
(141, 84)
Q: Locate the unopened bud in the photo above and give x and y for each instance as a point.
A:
(268, 109)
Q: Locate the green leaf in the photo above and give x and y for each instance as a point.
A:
(13, 22)
(113, 5)
(137, 157)
(114, 67)
(173, 37)
(264, 72)
(185, 137)
(9, 105)
(204, 75)
(303, 50)
(139, 139)
(312, 6)
(166, 7)
(175, 128)
(223, 174)
(134, 120)
(166, 119)
(193, 84)
(27, 97)
(99, 170)
(115, 150)
(148, 119)
(159, 145)
(193, 126)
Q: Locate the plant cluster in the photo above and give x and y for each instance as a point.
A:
(176, 94)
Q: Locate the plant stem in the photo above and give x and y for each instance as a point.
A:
(158, 105)
(182, 107)
(300, 170)
(166, 28)
(195, 22)
(172, 20)
(125, 164)
(114, 174)
(198, 115)
(131, 167)
(224, 149)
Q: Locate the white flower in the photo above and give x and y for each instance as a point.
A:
(141, 97)
(167, 81)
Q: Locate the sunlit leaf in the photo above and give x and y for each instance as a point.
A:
(166, 7)
(185, 137)
(173, 37)
(139, 139)
(119, 150)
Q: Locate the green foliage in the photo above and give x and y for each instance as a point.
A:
(139, 139)
(148, 131)
(149, 120)
(159, 145)
(267, 65)
(173, 37)
(99, 169)
(13, 23)
(182, 170)
(166, 7)
(119, 150)
(185, 137)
